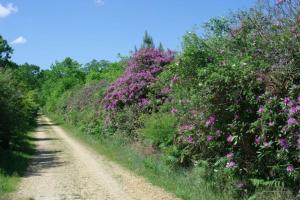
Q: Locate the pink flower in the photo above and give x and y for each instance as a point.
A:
(210, 138)
(287, 101)
(291, 121)
(189, 139)
(211, 121)
(271, 123)
(267, 144)
(294, 110)
(174, 110)
(229, 155)
(230, 139)
(218, 133)
(290, 168)
(187, 127)
(257, 139)
(284, 144)
(231, 164)
(261, 109)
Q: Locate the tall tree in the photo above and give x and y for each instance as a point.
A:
(147, 42)
(5, 52)
(161, 47)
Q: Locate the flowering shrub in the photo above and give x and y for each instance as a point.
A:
(235, 97)
(141, 72)
(230, 101)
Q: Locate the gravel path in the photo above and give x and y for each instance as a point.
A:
(65, 169)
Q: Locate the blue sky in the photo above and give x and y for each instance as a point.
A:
(43, 31)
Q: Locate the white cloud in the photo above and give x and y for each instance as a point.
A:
(7, 10)
(19, 40)
(99, 2)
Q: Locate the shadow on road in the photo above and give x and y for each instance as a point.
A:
(44, 157)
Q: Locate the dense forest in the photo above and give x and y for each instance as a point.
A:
(225, 109)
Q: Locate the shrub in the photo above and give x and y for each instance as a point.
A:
(132, 86)
(159, 128)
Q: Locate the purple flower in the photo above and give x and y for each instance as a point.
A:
(257, 139)
(210, 138)
(291, 121)
(230, 139)
(211, 121)
(290, 168)
(174, 110)
(287, 101)
(271, 124)
(218, 133)
(298, 98)
(189, 139)
(294, 110)
(143, 102)
(279, 1)
(298, 143)
(267, 144)
(284, 144)
(231, 164)
(261, 109)
(229, 155)
(186, 127)
(297, 132)
(141, 72)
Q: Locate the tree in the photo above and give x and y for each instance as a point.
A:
(27, 76)
(94, 69)
(5, 52)
(147, 42)
(161, 47)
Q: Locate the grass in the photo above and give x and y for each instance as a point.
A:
(185, 184)
(14, 162)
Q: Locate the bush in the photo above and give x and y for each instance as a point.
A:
(159, 128)
(132, 86)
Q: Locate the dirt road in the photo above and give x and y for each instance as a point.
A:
(65, 169)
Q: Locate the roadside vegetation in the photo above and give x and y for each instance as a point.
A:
(18, 108)
(217, 120)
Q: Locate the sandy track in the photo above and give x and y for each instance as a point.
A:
(65, 169)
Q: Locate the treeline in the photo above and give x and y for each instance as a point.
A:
(18, 96)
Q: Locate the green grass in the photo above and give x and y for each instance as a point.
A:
(14, 162)
(185, 184)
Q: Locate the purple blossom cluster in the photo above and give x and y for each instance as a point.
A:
(142, 70)
(186, 127)
(211, 120)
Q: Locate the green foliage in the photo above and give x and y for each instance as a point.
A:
(147, 42)
(18, 107)
(5, 52)
(14, 162)
(159, 128)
